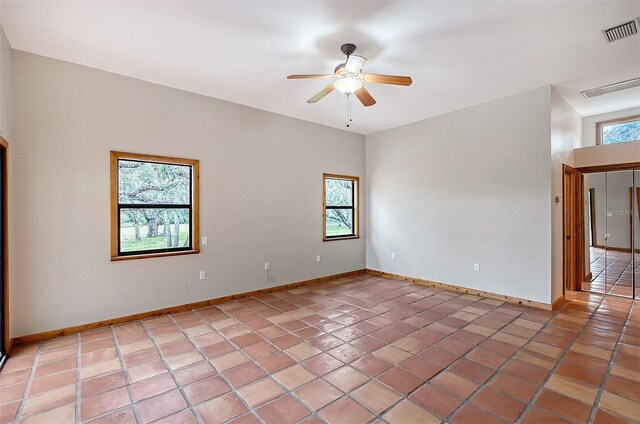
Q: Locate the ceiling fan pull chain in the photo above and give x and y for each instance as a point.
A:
(349, 120)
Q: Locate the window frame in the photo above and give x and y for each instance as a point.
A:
(355, 207)
(116, 254)
(600, 128)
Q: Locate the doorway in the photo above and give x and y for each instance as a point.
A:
(609, 254)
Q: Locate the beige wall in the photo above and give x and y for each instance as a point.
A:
(261, 195)
(5, 86)
(606, 155)
(470, 186)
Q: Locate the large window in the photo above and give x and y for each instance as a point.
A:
(620, 130)
(340, 207)
(154, 206)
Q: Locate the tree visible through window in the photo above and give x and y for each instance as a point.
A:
(619, 130)
(340, 206)
(155, 208)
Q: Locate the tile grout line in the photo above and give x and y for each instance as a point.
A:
(33, 366)
(123, 369)
(617, 282)
(78, 379)
(254, 362)
(321, 378)
(76, 369)
(552, 372)
(27, 389)
(253, 411)
(344, 395)
(509, 360)
(316, 377)
(605, 267)
(427, 382)
(375, 379)
(485, 384)
(24, 396)
(369, 379)
(607, 374)
(269, 375)
(192, 407)
(630, 264)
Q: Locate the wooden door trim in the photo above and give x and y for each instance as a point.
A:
(575, 196)
(604, 168)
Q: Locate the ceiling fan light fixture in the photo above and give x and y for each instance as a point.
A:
(347, 84)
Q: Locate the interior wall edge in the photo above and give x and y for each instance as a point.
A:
(475, 292)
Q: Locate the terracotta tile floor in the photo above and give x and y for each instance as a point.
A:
(353, 350)
(613, 273)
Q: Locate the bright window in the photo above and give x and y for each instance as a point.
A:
(340, 207)
(154, 209)
(618, 130)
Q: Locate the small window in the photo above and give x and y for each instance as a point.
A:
(620, 130)
(154, 206)
(340, 207)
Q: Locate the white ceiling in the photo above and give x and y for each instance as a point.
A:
(459, 53)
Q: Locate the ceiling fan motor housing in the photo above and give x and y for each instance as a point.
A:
(348, 48)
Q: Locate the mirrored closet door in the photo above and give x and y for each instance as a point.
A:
(612, 232)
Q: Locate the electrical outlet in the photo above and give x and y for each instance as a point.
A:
(393, 255)
(318, 258)
(476, 267)
(266, 266)
(205, 240)
(203, 275)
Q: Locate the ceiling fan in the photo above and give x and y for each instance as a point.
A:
(350, 79)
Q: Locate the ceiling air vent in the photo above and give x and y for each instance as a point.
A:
(622, 31)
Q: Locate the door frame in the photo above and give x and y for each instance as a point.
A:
(581, 265)
(4, 189)
(592, 223)
(572, 224)
(632, 206)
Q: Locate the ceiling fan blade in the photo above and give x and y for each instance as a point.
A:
(310, 76)
(364, 96)
(388, 79)
(328, 89)
(354, 64)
